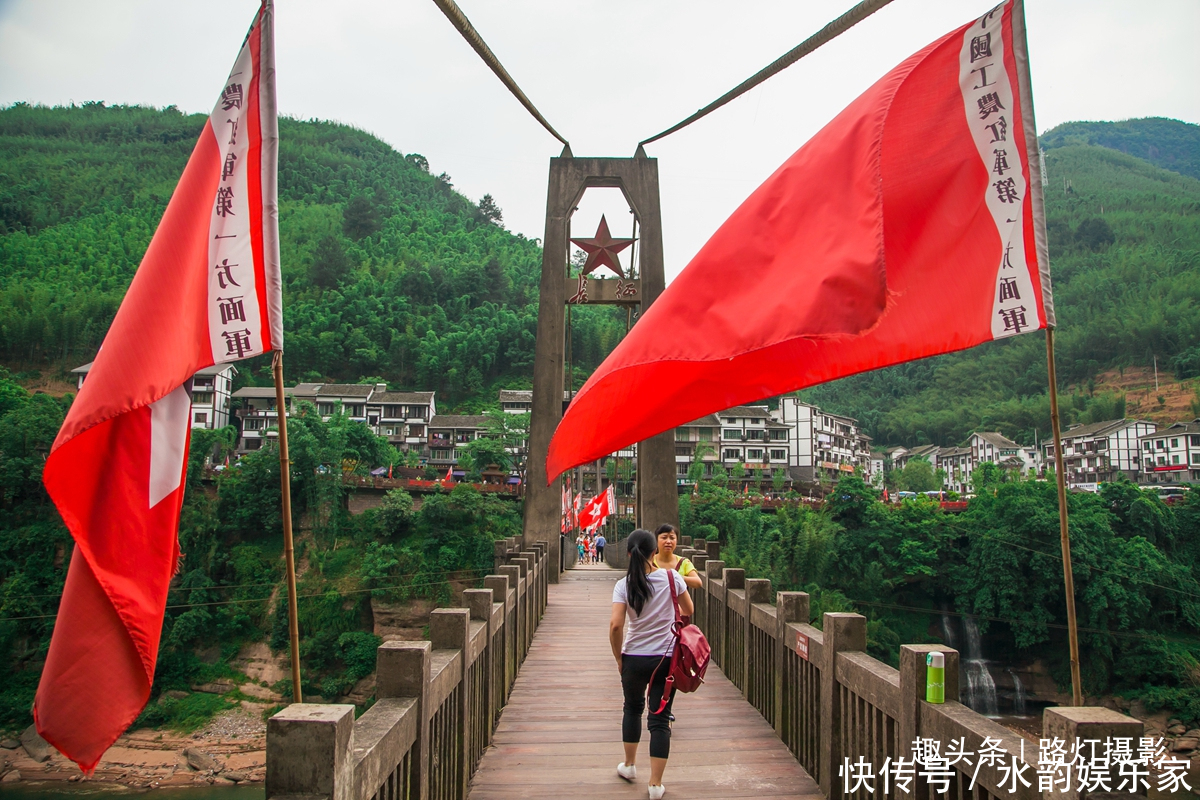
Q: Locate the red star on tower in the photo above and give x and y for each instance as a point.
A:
(602, 249)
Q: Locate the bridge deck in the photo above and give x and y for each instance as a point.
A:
(560, 734)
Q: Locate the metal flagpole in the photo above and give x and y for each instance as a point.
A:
(285, 485)
(1064, 536)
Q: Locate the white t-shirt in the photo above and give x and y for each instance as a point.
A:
(649, 633)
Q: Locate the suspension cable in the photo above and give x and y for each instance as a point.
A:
(464, 26)
(831, 31)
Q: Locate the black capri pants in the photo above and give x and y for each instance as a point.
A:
(636, 672)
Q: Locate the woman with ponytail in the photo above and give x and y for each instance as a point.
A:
(643, 639)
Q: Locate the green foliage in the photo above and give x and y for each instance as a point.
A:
(475, 456)
(186, 714)
(387, 269)
(1135, 564)
(1166, 143)
(918, 476)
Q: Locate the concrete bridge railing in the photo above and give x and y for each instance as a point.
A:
(436, 702)
(830, 701)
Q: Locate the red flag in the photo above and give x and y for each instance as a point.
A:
(449, 474)
(910, 225)
(389, 472)
(207, 292)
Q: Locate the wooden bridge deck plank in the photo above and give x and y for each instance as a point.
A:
(561, 730)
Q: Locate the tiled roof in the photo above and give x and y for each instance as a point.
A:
(1098, 428)
(997, 439)
(402, 397)
(745, 411)
(345, 390)
(707, 421)
(259, 391)
(458, 421)
(516, 395)
(1178, 427)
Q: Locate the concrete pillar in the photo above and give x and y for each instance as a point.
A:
(758, 590)
(499, 586)
(842, 633)
(1086, 722)
(790, 607)
(912, 697)
(450, 629)
(713, 549)
(402, 670)
(310, 751)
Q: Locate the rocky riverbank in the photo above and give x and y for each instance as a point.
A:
(230, 750)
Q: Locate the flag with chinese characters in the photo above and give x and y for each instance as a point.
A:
(910, 225)
(207, 292)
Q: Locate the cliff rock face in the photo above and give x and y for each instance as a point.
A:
(401, 621)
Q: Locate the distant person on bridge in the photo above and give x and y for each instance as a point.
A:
(668, 539)
(643, 652)
(600, 542)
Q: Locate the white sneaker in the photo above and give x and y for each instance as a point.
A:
(627, 771)
(656, 792)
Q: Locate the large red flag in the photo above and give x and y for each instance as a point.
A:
(910, 225)
(206, 292)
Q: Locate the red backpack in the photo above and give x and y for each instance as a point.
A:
(690, 659)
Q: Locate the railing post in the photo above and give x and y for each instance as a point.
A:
(841, 633)
(499, 586)
(714, 571)
(790, 607)
(758, 590)
(479, 603)
(713, 549)
(450, 629)
(526, 567)
(912, 694)
(535, 589)
(310, 751)
(403, 670)
(513, 573)
(1076, 724)
(685, 541)
(500, 556)
(735, 579)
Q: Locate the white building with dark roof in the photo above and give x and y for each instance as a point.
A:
(1172, 455)
(516, 401)
(447, 432)
(1101, 451)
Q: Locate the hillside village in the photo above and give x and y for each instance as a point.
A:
(758, 448)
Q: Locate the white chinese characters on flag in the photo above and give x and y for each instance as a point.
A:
(207, 292)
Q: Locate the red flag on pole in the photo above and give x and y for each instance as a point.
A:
(910, 225)
(207, 292)
(449, 474)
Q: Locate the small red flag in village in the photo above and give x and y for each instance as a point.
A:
(910, 225)
(207, 292)
(449, 474)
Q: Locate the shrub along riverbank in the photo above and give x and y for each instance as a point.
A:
(906, 566)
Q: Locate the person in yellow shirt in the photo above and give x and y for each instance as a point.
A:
(665, 558)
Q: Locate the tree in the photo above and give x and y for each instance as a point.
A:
(1094, 233)
(918, 476)
(361, 218)
(489, 211)
(477, 455)
(330, 265)
(512, 431)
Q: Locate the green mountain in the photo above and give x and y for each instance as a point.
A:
(1166, 143)
(388, 271)
(1125, 261)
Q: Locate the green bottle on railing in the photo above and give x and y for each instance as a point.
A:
(935, 678)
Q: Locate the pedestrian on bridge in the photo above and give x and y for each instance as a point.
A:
(643, 651)
(665, 558)
(600, 542)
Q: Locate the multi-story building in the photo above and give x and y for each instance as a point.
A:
(752, 439)
(1172, 455)
(448, 432)
(212, 388)
(703, 435)
(403, 417)
(1101, 451)
(955, 463)
(822, 446)
(929, 452)
(1000, 450)
(516, 401)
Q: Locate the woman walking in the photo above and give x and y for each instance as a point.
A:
(665, 558)
(643, 652)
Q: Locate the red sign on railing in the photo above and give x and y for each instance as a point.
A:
(802, 645)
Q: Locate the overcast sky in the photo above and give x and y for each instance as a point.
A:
(605, 74)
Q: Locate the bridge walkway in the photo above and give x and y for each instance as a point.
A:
(560, 734)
